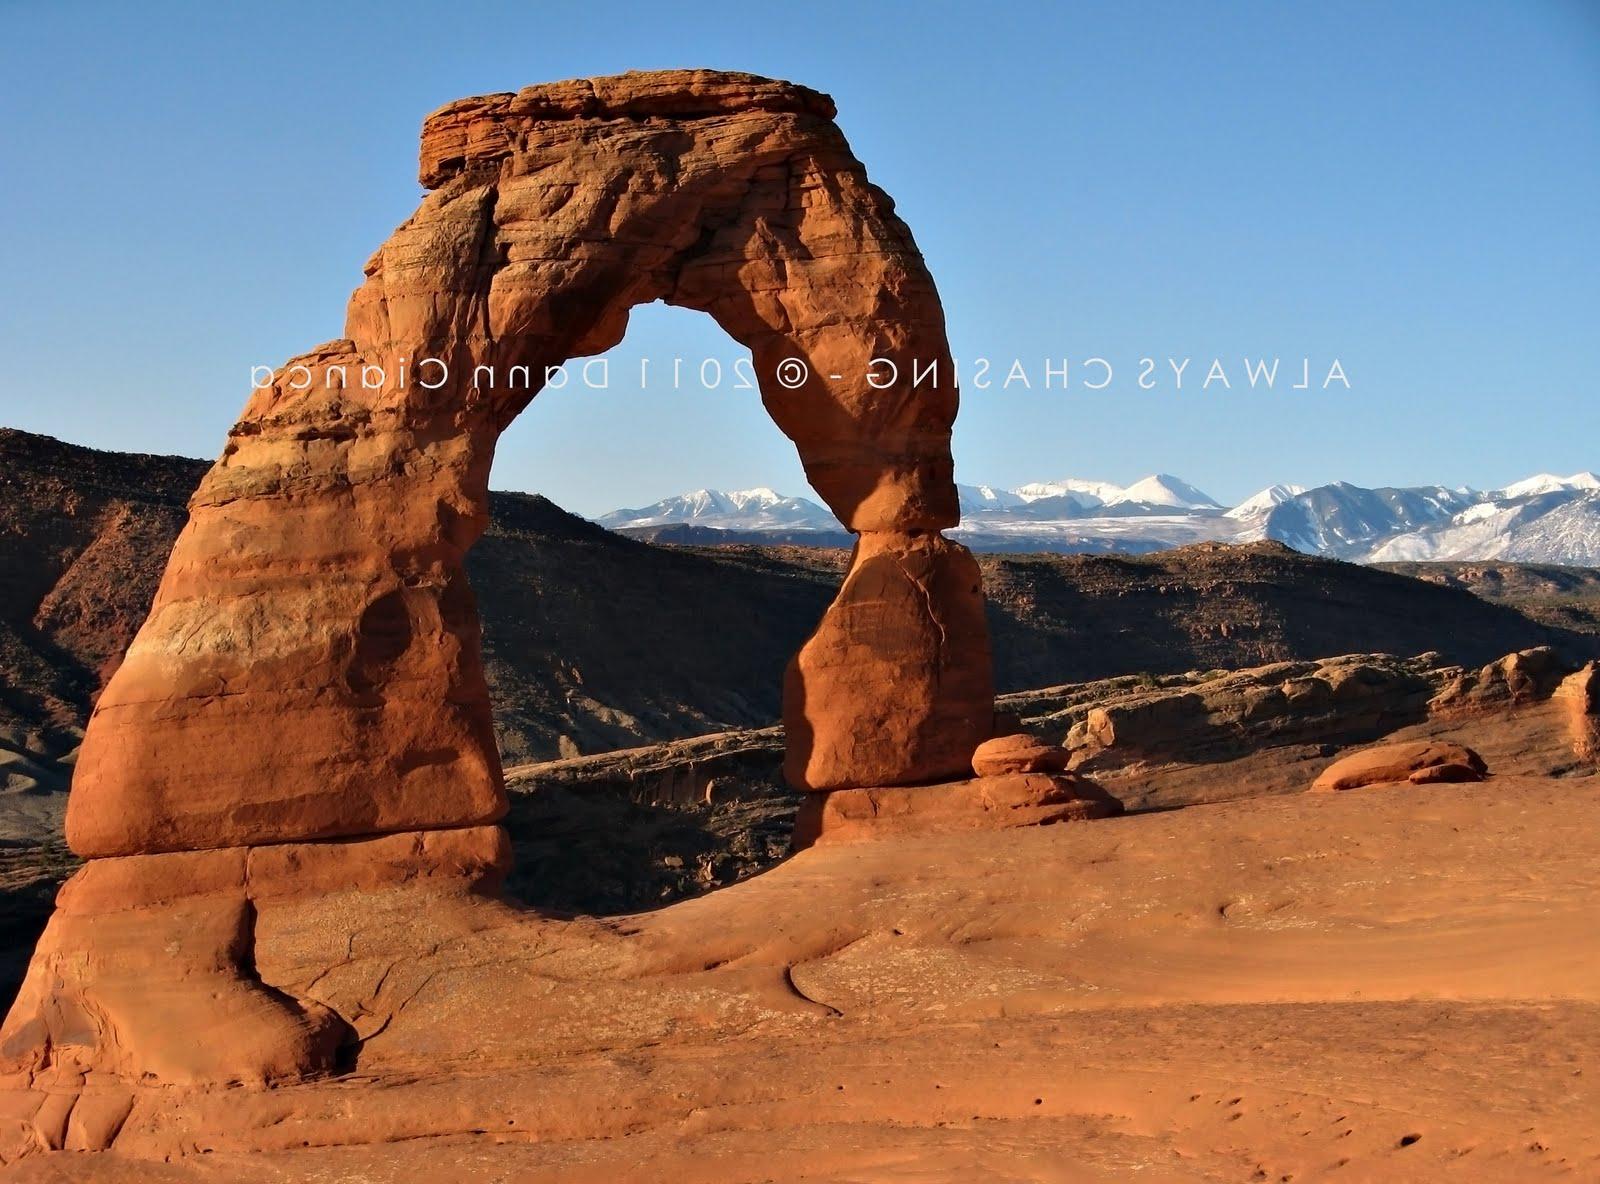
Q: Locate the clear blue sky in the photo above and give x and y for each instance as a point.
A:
(1411, 187)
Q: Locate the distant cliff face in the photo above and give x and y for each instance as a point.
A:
(83, 537)
(593, 641)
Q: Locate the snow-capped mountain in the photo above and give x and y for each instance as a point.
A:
(1163, 491)
(739, 509)
(1088, 493)
(1345, 521)
(1260, 503)
(1072, 497)
(1555, 526)
(1543, 519)
(979, 498)
(1549, 483)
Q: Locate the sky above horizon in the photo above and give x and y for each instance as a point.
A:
(1413, 190)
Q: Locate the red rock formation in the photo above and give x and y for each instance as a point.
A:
(982, 803)
(1420, 762)
(1516, 680)
(858, 708)
(1580, 696)
(1019, 752)
(310, 668)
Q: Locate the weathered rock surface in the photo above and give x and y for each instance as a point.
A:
(1019, 752)
(1219, 715)
(1061, 1002)
(984, 803)
(856, 711)
(1579, 696)
(1420, 762)
(1138, 722)
(148, 966)
(1516, 680)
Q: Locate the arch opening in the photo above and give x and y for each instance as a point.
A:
(592, 643)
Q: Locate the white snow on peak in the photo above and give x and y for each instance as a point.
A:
(1260, 503)
(989, 497)
(1163, 489)
(1542, 519)
(1549, 483)
(759, 496)
(1086, 493)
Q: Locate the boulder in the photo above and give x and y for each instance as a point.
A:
(1019, 753)
(1416, 761)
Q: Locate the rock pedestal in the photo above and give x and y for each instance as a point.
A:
(981, 803)
(896, 684)
(1020, 781)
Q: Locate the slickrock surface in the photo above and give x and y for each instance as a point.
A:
(1123, 724)
(1514, 681)
(1217, 715)
(1383, 986)
(1157, 742)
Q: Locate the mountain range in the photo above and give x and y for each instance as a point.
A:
(1543, 519)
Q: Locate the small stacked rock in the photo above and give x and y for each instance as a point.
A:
(1019, 753)
(1021, 781)
(1419, 762)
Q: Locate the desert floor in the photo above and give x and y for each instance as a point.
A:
(1398, 984)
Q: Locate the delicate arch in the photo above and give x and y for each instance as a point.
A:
(310, 667)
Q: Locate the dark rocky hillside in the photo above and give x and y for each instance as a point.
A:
(1562, 597)
(595, 642)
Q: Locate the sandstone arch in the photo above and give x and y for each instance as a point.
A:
(310, 669)
(310, 666)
